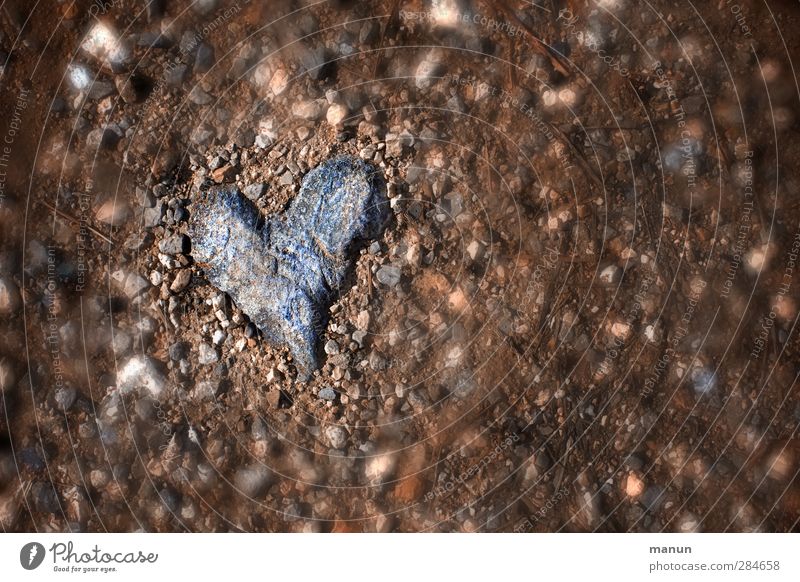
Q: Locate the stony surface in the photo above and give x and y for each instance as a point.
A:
(580, 317)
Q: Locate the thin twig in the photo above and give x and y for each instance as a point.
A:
(74, 220)
(538, 44)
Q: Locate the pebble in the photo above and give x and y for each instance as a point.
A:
(224, 174)
(611, 275)
(376, 361)
(112, 213)
(568, 97)
(206, 354)
(151, 217)
(475, 250)
(368, 152)
(621, 330)
(279, 82)
(10, 299)
(218, 337)
(181, 214)
(389, 275)
(179, 350)
(141, 372)
(135, 285)
(103, 138)
(216, 162)
(181, 280)
(255, 191)
(262, 74)
(368, 33)
(100, 89)
(7, 375)
(274, 375)
(688, 523)
(99, 478)
(205, 6)
(634, 486)
(65, 397)
(358, 337)
(252, 481)
(79, 77)
(175, 245)
(287, 178)
(309, 110)
(380, 467)
(413, 255)
(336, 436)
(653, 333)
(175, 75)
(425, 71)
(314, 62)
(121, 342)
(549, 98)
(204, 59)
(337, 113)
(327, 394)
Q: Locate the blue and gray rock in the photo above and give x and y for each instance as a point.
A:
(327, 393)
(285, 272)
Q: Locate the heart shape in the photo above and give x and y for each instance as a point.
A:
(286, 271)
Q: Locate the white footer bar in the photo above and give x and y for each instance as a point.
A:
(401, 557)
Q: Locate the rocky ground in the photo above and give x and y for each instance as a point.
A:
(580, 317)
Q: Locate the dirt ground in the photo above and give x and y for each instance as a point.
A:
(581, 316)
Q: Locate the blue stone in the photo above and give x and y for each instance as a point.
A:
(327, 394)
(286, 271)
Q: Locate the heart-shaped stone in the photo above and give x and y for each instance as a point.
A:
(285, 272)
